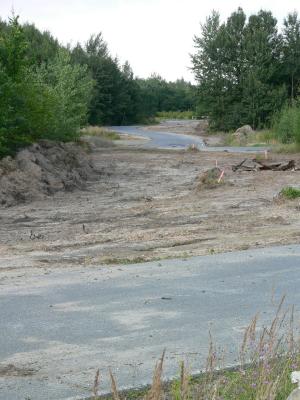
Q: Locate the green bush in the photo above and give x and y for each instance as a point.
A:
(290, 193)
(287, 125)
(38, 101)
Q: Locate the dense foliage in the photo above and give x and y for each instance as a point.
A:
(246, 70)
(50, 91)
(119, 97)
(38, 99)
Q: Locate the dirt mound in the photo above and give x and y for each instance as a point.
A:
(209, 179)
(43, 169)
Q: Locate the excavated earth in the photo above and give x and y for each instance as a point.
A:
(134, 205)
(43, 169)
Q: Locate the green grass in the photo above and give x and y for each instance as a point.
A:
(175, 115)
(290, 148)
(290, 193)
(134, 260)
(100, 132)
(227, 384)
(256, 139)
(263, 138)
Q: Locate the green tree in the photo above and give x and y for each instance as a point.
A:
(263, 93)
(291, 53)
(238, 69)
(67, 89)
(42, 47)
(47, 100)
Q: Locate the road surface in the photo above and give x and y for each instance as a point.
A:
(168, 140)
(61, 326)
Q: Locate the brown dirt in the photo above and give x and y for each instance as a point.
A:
(43, 169)
(11, 370)
(145, 205)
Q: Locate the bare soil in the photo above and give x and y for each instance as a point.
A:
(145, 205)
(43, 169)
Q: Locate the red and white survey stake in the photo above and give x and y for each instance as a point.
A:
(221, 176)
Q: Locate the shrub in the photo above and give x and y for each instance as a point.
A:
(290, 192)
(38, 102)
(287, 125)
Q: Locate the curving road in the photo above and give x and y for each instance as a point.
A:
(168, 140)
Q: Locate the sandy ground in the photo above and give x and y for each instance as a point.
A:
(145, 206)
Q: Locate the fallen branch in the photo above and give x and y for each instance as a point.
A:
(258, 165)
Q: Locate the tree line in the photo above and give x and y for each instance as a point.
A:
(50, 91)
(246, 69)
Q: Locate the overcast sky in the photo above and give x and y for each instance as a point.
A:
(153, 35)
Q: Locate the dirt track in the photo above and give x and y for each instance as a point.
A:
(145, 206)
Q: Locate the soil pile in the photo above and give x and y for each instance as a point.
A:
(43, 169)
(209, 179)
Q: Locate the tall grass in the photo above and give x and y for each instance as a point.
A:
(258, 138)
(100, 132)
(175, 114)
(266, 358)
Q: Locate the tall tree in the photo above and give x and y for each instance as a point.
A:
(208, 70)
(291, 53)
(237, 66)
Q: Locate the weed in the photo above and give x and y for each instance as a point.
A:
(96, 384)
(101, 132)
(134, 260)
(255, 139)
(290, 193)
(175, 115)
(192, 148)
(289, 148)
(267, 357)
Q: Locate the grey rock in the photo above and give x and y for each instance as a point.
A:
(295, 395)
(244, 130)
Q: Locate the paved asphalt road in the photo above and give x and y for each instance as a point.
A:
(64, 324)
(167, 140)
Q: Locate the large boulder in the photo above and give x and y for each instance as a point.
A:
(243, 132)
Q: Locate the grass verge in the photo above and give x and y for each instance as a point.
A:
(100, 132)
(262, 138)
(255, 139)
(175, 115)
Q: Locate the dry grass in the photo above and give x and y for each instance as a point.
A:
(258, 138)
(96, 384)
(290, 148)
(262, 138)
(100, 132)
(192, 148)
(267, 357)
